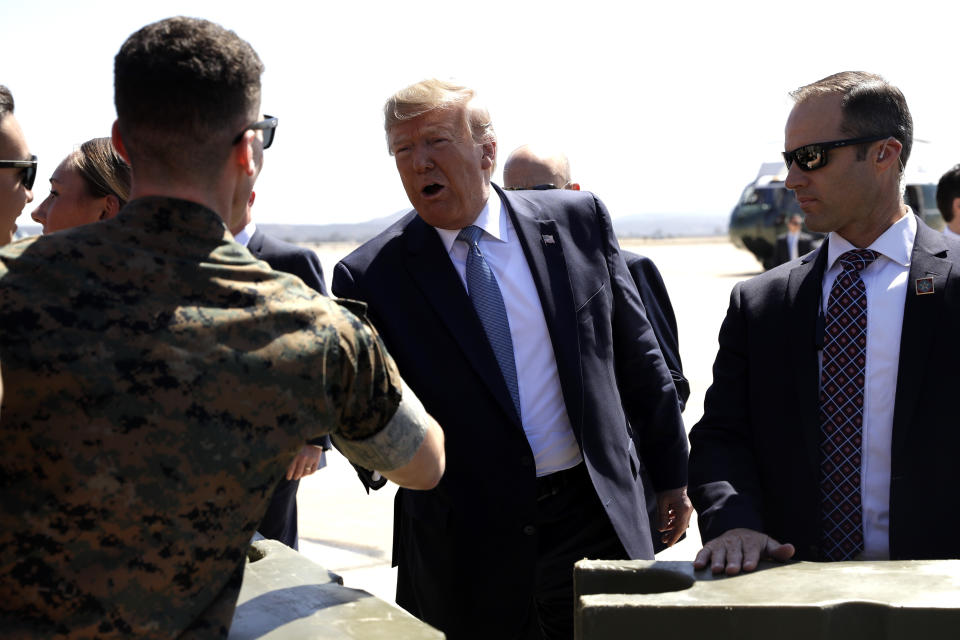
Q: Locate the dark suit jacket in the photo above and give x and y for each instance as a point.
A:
(659, 310)
(280, 520)
(467, 549)
(781, 252)
(755, 454)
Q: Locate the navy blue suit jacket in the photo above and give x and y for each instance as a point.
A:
(466, 550)
(280, 520)
(755, 458)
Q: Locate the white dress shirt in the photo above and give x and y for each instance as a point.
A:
(793, 244)
(246, 233)
(950, 233)
(543, 411)
(885, 281)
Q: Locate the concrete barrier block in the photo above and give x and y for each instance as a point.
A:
(803, 600)
(285, 596)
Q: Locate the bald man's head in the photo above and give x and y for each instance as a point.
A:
(530, 168)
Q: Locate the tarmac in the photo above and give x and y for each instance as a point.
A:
(349, 532)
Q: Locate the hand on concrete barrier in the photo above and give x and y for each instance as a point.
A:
(675, 510)
(740, 549)
(305, 463)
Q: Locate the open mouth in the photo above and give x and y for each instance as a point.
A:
(432, 189)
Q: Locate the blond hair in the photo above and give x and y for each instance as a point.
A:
(427, 95)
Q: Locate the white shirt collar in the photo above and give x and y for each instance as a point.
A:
(896, 243)
(246, 233)
(491, 220)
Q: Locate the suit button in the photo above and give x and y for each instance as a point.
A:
(526, 461)
(529, 530)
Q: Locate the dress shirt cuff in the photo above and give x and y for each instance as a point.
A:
(395, 444)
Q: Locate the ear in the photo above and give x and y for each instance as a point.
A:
(573, 186)
(243, 153)
(489, 158)
(889, 154)
(118, 141)
(253, 196)
(111, 206)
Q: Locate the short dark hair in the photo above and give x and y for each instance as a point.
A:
(184, 87)
(6, 101)
(948, 189)
(870, 106)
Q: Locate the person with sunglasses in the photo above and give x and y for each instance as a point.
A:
(158, 379)
(91, 184)
(948, 201)
(18, 169)
(830, 430)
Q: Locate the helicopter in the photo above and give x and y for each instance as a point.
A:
(765, 205)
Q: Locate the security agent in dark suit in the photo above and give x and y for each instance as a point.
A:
(531, 168)
(541, 472)
(785, 462)
(794, 243)
(280, 520)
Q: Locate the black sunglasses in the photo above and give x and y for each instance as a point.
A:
(536, 187)
(29, 169)
(814, 156)
(269, 127)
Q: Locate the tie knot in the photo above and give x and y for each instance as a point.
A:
(470, 235)
(857, 260)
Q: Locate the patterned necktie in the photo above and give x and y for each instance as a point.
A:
(841, 408)
(488, 302)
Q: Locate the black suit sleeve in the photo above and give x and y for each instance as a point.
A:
(656, 302)
(646, 388)
(724, 483)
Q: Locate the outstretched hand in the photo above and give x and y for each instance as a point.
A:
(740, 549)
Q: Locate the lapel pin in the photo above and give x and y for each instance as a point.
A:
(548, 239)
(924, 286)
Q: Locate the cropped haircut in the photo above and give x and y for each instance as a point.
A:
(430, 94)
(870, 106)
(948, 189)
(102, 169)
(184, 88)
(6, 101)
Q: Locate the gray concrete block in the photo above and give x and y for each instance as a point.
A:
(285, 596)
(804, 600)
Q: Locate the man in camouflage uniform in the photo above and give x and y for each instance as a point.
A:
(158, 379)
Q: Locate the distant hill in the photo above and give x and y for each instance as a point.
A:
(636, 226)
(643, 225)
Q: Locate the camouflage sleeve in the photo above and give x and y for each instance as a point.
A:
(382, 423)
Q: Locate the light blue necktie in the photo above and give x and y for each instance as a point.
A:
(488, 303)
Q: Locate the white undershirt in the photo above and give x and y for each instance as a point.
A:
(543, 411)
(885, 281)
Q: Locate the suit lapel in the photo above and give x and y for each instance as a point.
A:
(803, 303)
(923, 314)
(435, 276)
(255, 245)
(543, 248)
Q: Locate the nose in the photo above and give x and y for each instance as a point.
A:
(796, 178)
(38, 215)
(422, 161)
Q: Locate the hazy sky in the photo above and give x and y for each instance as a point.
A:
(662, 108)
